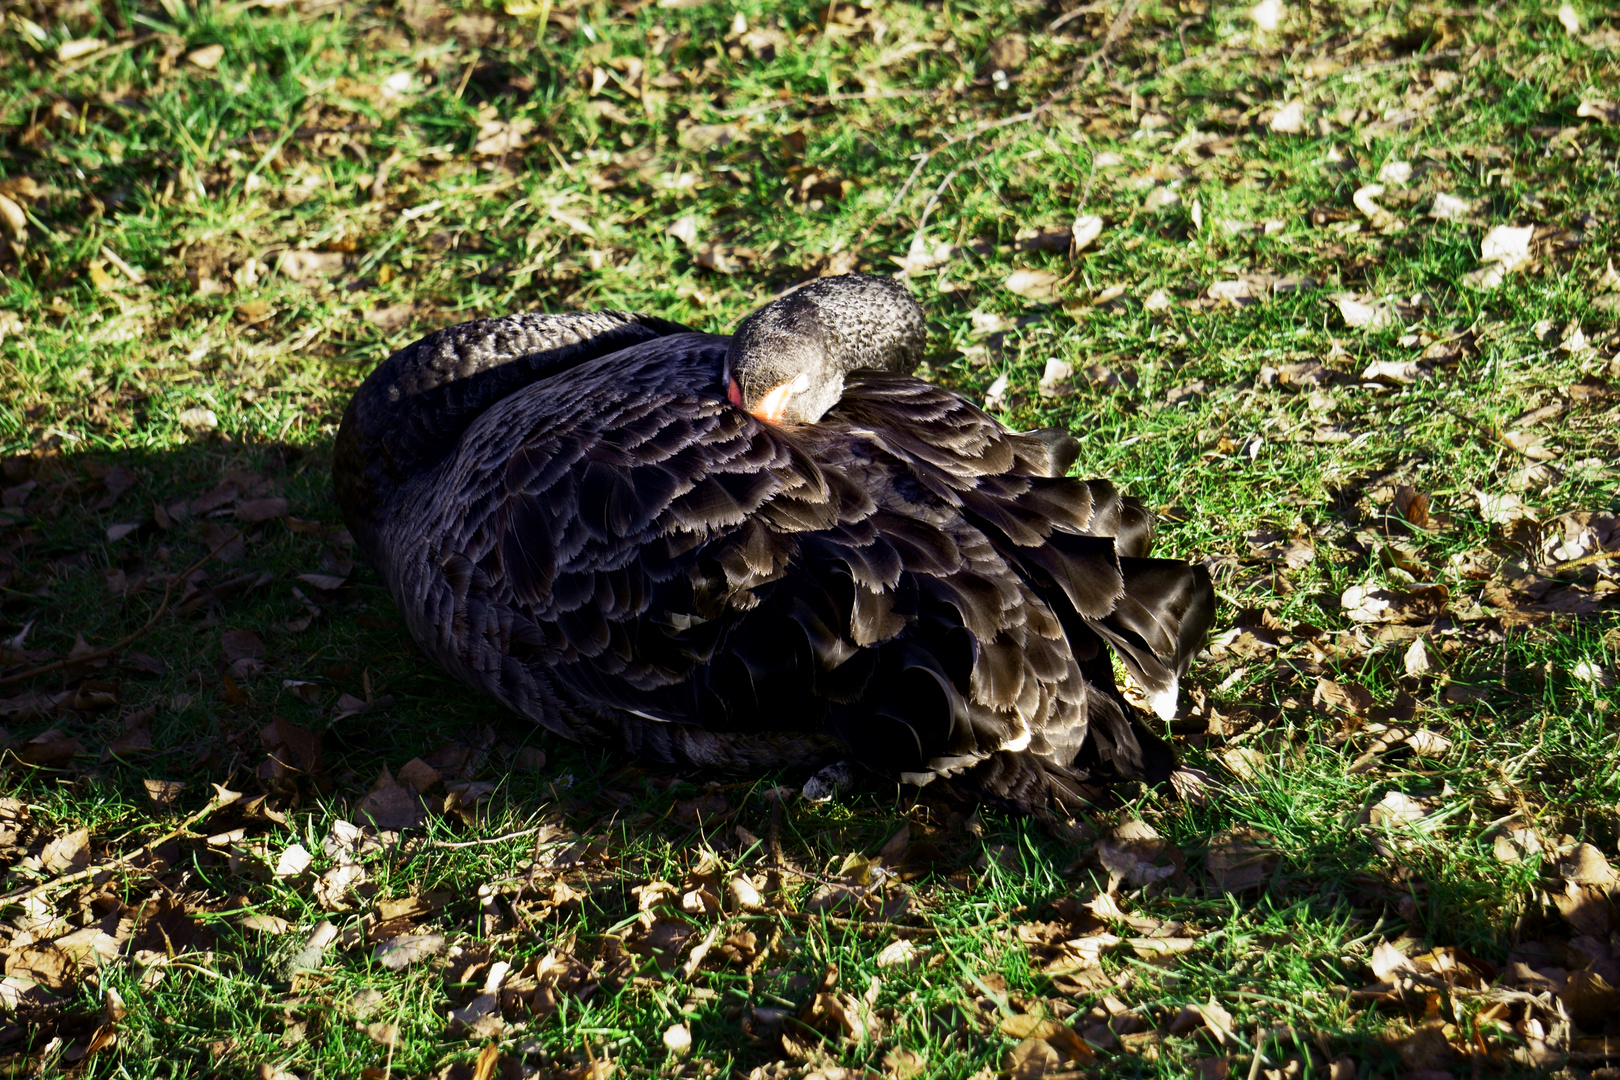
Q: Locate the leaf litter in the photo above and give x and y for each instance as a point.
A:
(1391, 608)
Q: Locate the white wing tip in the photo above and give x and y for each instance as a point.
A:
(1164, 702)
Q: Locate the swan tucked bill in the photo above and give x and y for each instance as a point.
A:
(769, 549)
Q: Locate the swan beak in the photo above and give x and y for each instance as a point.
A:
(774, 404)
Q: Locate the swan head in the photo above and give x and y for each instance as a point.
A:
(787, 361)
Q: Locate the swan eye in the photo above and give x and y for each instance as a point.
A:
(734, 393)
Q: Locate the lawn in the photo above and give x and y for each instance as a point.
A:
(1330, 286)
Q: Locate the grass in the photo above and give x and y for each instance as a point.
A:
(215, 245)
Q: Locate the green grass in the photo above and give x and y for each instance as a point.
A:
(792, 135)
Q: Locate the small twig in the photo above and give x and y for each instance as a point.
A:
(1077, 73)
(774, 836)
(102, 654)
(933, 200)
(833, 99)
(104, 52)
(486, 840)
(1074, 13)
(1584, 560)
(223, 799)
(844, 922)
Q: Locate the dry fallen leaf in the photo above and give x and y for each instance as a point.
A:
(1290, 119)
(1366, 200)
(15, 222)
(1364, 316)
(1586, 865)
(163, 793)
(207, 57)
(1396, 372)
(995, 395)
(67, 853)
(1398, 808)
(1395, 171)
(677, 1039)
(1599, 109)
(1387, 962)
(1417, 660)
(1502, 507)
(77, 47)
(898, 954)
(1085, 231)
(1346, 697)
(293, 861)
(1057, 379)
(1504, 250)
(1032, 284)
(1447, 207)
(407, 949)
(1240, 859)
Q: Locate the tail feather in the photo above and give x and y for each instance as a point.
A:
(1160, 623)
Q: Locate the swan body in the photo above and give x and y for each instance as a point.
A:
(587, 517)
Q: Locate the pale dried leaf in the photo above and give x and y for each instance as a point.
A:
(899, 953)
(1398, 808)
(1388, 962)
(1363, 316)
(1290, 119)
(1417, 660)
(1446, 207)
(677, 1039)
(1032, 284)
(67, 853)
(407, 949)
(293, 861)
(1086, 229)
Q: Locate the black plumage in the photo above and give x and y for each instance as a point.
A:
(575, 515)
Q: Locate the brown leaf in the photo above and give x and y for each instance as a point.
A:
(50, 748)
(407, 949)
(1413, 505)
(1031, 1059)
(1587, 910)
(1346, 697)
(392, 318)
(334, 889)
(241, 645)
(392, 806)
(1426, 1048)
(1136, 854)
(418, 775)
(67, 853)
(1590, 997)
(1032, 284)
(1398, 808)
(1240, 859)
(903, 1064)
(256, 510)
(44, 964)
(163, 793)
(1388, 962)
(1587, 866)
(324, 582)
(1208, 1016)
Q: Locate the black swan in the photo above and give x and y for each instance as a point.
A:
(769, 549)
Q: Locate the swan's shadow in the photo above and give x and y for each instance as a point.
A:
(286, 633)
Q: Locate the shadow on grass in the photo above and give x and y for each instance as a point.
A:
(281, 670)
